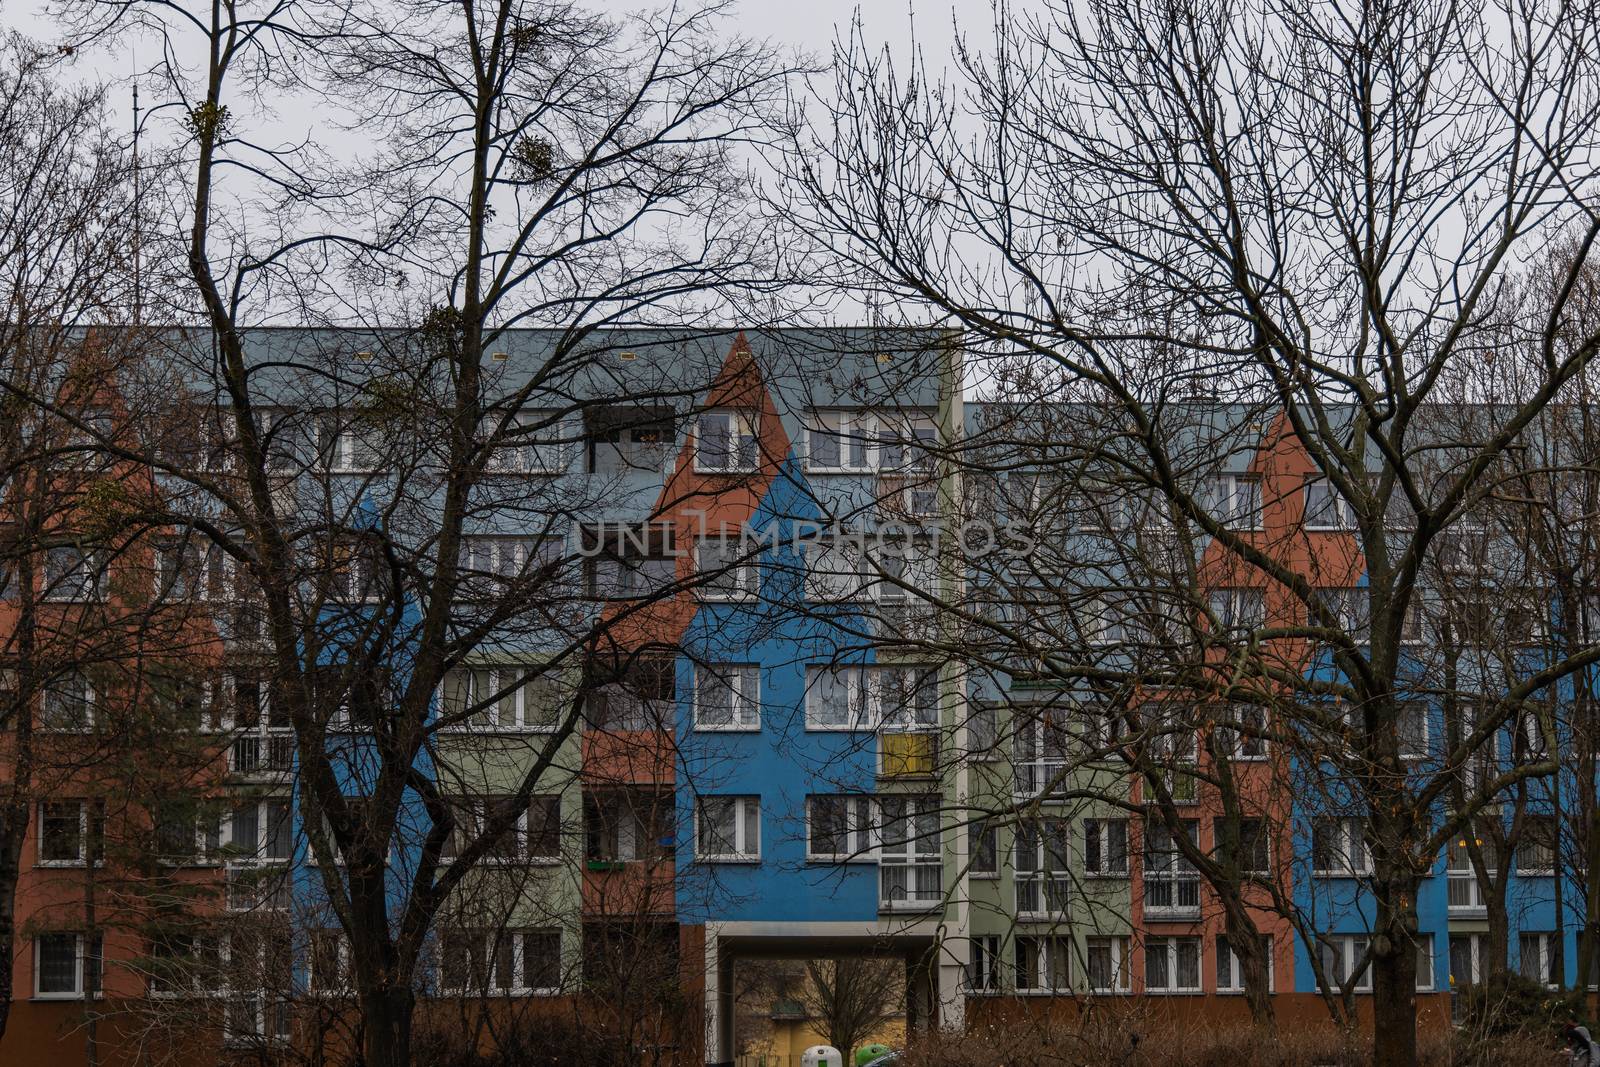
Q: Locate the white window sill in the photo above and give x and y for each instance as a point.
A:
(846, 728)
(728, 859)
(698, 469)
(830, 861)
(58, 997)
(1175, 992)
(703, 728)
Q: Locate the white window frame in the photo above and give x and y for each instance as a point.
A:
(1352, 847)
(1460, 872)
(1238, 745)
(347, 448)
(743, 429)
(1477, 949)
(744, 571)
(861, 829)
(1228, 603)
(1406, 751)
(82, 583)
(743, 681)
(86, 819)
(1047, 949)
(1227, 490)
(342, 961)
(917, 854)
(1103, 620)
(1169, 946)
(1227, 958)
(80, 943)
(1349, 948)
(525, 454)
(866, 711)
(1042, 874)
(1103, 828)
(985, 970)
(1177, 873)
(472, 811)
(89, 701)
(1425, 964)
(864, 432)
(746, 813)
(1349, 605)
(1120, 955)
(1343, 519)
(836, 571)
(1538, 872)
(477, 721)
(519, 947)
(1544, 942)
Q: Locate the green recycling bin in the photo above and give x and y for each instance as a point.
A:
(867, 1053)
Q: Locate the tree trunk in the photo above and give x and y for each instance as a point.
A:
(386, 1025)
(1246, 944)
(1394, 973)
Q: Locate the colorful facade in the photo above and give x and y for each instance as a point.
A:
(766, 774)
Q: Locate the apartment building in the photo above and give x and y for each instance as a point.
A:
(801, 731)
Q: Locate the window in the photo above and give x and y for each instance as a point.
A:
(726, 442)
(70, 832)
(1172, 965)
(491, 567)
(1039, 857)
(910, 859)
(728, 829)
(1243, 736)
(629, 561)
(66, 965)
(182, 835)
(643, 697)
(257, 1020)
(1236, 501)
(983, 968)
(1043, 964)
(1412, 724)
(1172, 751)
(67, 703)
(1326, 509)
(529, 444)
(727, 697)
(985, 838)
(628, 825)
(1468, 959)
(1103, 621)
(264, 742)
(725, 569)
(835, 571)
(855, 441)
(1039, 749)
(1348, 608)
(866, 698)
(532, 836)
(983, 733)
(72, 574)
(1109, 964)
(625, 438)
(500, 963)
(1339, 847)
(501, 698)
(1528, 738)
(1230, 975)
(330, 962)
(1254, 845)
(1536, 846)
(839, 828)
(349, 448)
(1463, 892)
(1105, 847)
(1341, 954)
(1536, 958)
(1171, 883)
(1425, 963)
(1238, 610)
(353, 570)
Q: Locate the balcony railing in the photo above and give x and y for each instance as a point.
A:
(1042, 896)
(910, 886)
(271, 753)
(1172, 895)
(1464, 895)
(906, 754)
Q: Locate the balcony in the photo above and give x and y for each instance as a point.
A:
(907, 754)
(1464, 895)
(1042, 897)
(910, 886)
(262, 755)
(1172, 896)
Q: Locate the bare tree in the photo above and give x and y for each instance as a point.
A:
(1287, 212)
(852, 998)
